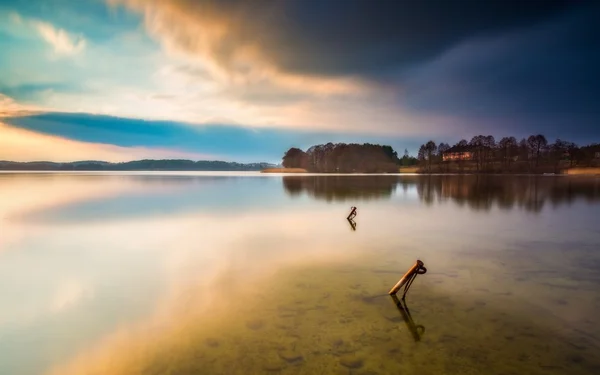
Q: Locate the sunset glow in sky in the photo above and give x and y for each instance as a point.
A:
(245, 80)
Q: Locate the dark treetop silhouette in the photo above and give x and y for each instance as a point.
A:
(481, 154)
(529, 155)
(346, 158)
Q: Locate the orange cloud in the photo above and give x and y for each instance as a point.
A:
(227, 67)
(24, 145)
(10, 108)
(223, 45)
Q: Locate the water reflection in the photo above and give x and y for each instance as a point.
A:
(139, 196)
(415, 330)
(341, 188)
(135, 275)
(352, 223)
(530, 193)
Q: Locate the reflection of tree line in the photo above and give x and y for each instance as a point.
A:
(527, 192)
(477, 192)
(341, 188)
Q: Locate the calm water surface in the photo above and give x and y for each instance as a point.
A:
(196, 273)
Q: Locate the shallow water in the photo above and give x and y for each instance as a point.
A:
(183, 273)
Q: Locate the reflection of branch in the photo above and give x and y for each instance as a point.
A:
(416, 330)
(352, 223)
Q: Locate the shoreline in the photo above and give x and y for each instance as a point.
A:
(577, 171)
(587, 171)
(284, 170)
(303, 172)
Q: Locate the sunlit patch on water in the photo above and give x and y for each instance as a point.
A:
(336, 320)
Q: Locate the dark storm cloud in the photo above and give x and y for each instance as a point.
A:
(541, 79)
(350, 36)
(475, 66)
(365, 37)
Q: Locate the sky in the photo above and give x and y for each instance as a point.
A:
(244, 81)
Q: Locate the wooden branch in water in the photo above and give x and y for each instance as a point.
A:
(417, 269)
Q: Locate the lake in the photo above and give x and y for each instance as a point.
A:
(243, 273)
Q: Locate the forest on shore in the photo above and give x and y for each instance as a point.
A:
(347, 158)
(482, 154)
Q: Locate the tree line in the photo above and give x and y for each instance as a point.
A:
(347, 158)
(136, 165)
(531, 154)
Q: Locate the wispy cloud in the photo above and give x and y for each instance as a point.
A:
(63, 42)
(27, 28)
(10, 108)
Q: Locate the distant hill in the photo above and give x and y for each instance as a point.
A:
(137, 165)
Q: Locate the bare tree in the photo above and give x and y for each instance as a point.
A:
(489, 143)
(507, 146)
(557, 152)
(421, 154)
(573, 151)
(430, 149)
(442, 148)
(477, 143)
(537, 143)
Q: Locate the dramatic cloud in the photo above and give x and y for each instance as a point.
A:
(327, 37)
(434, 68)
(542, 78)
(227, 76)
(316, 70)
(221, 42)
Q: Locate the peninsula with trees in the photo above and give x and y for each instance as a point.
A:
(345, 158)
(482, 154)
